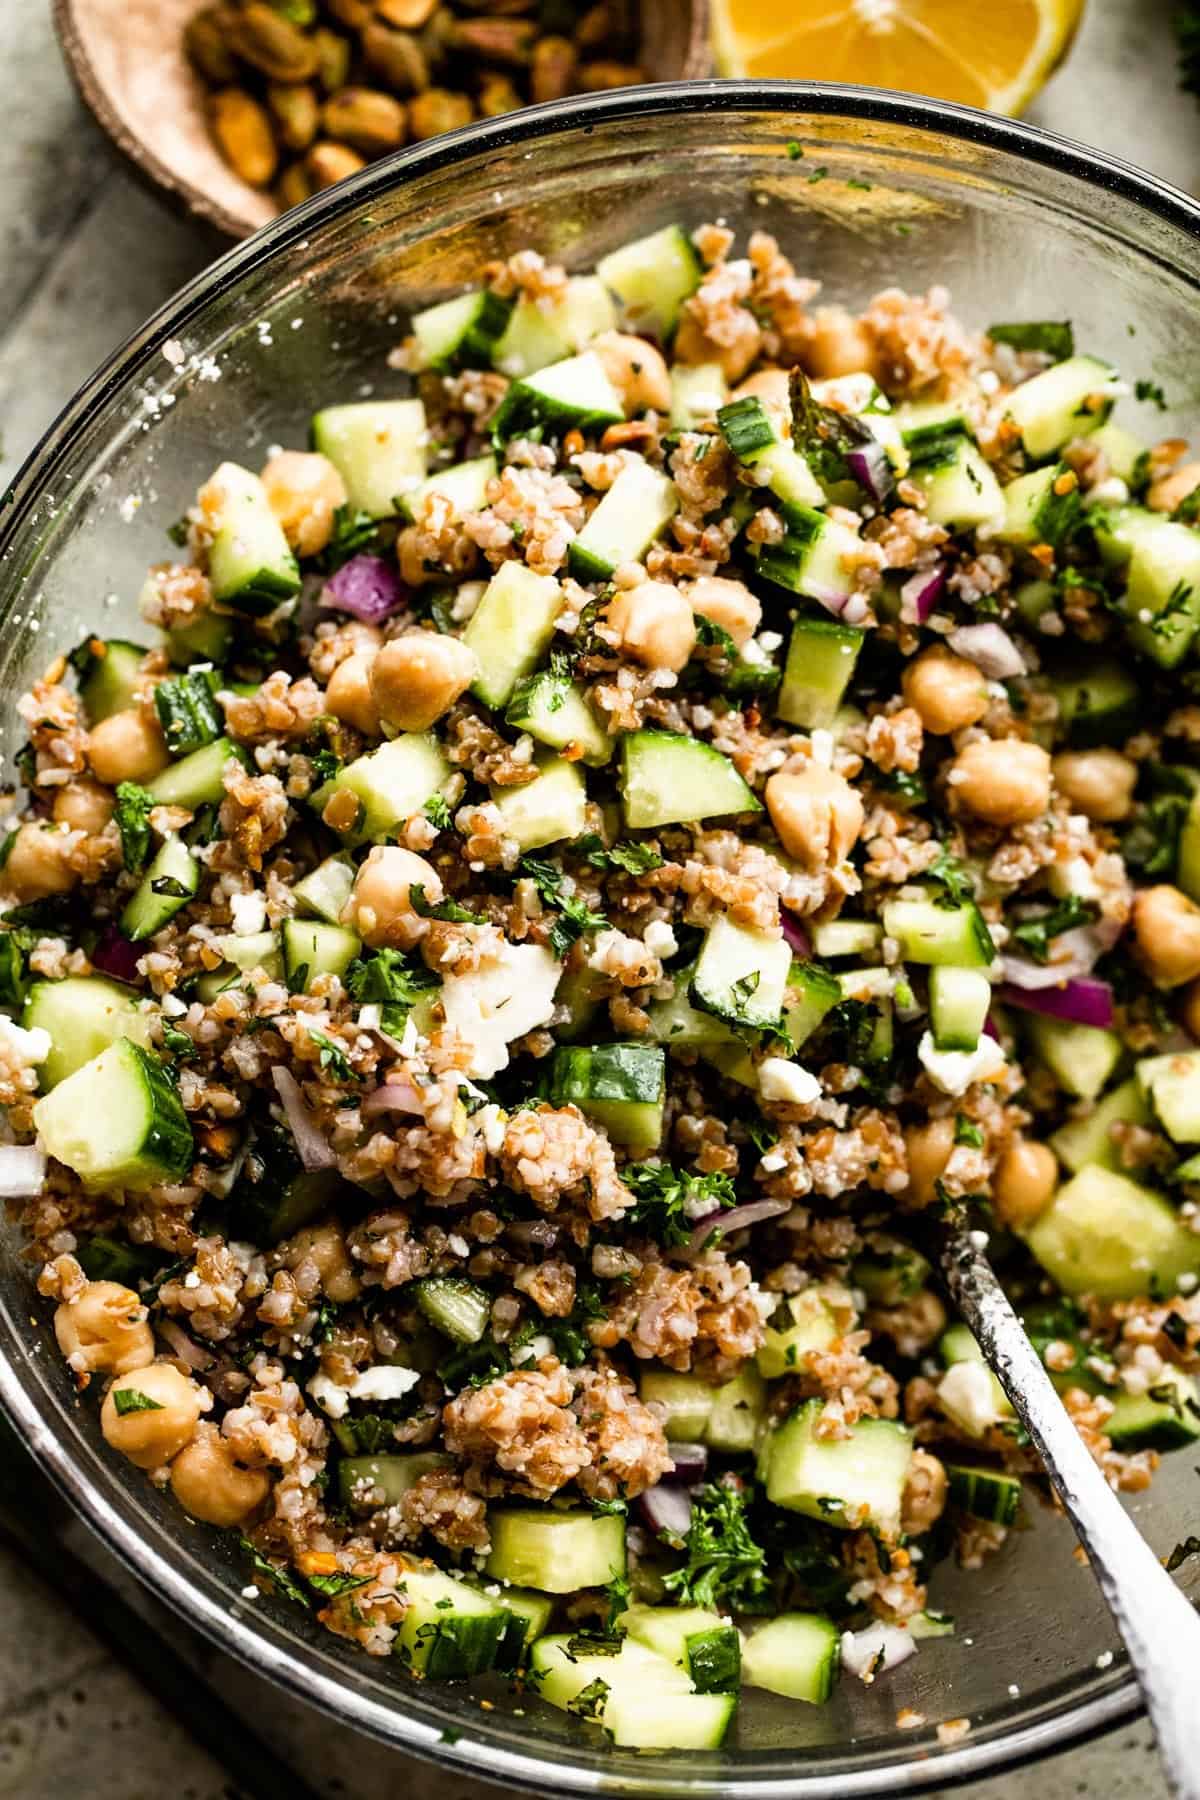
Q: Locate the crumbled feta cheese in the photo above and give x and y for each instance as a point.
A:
(533, 1351)
(249, 912)
(1104, 1660)
(410, 1038)
(659, 939)
(191, 1279)
(370, 1018)
(172, 1006)
(388, 1381)
(875, 1650)
(493, 1122)
(779, 1079)
(821, 745)
(772, 1162)
(250, 1593)
(511, 993)
(1075, 876)
(769, 640)
(954, 1071)
(27, 1047)
(329, 1396)
(967, 1391)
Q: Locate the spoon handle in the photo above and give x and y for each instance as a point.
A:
(1158, 1623)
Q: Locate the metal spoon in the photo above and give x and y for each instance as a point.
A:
(1158, 1623)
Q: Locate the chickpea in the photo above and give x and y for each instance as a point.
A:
(1097, 783)
(348, 693)
(772, 387)
(83, 805)
(379, 907)
(305, 490)
(104, 1328)
(325, 1246)
(1023, 1183)
(637, 371)
(151, 1437)
(1190, 1011)
(929, 1148)
(816, 814)
(1166, 925)
(37, 864)
(737, 349)
(656, 625)
(418, 677)
(1169, 491)
(212, 1485)
(729, 604)
(127, 747)
(839, 344)
(1002, 780)
(946, 690)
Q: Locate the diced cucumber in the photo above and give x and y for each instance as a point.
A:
(741, 974)
(684, 1402)
(698, 391)
(463, 484)
(961, 491)
(311, 948)
(326, 889)
(111, 679)
(636, 510)
(390, 784)
(652, 1721)
(256, 950)
(555, 1551)
(378, 449)
(969, 1393)
(1043, 507)
(1089, 1139)
(188, 711)
(1171, 1085)
(851, 1482)
(1098, 701)
(1068, 401)
(117, 1121)
(810, 994)
(579, 995)
(196, 780)
(701, 1641)
(1187, 862)
(271, 1202)
(552, 709)
(457, 1307)
(208, 637)
(1124, 451)
(1165, 1418)
(669, 779)
(1103, 1234)
(820, 661)
(796, 1654)
(959, 1000)
(939, 935)
(800, 1323)
(652, 277)
(930, 429)
(538, 334)
(846, 937)
(104, 1258)
(621, 1086)
(250, 563)
(739, 1411)
(891, 1276)
(168, 884)
(551, 807)
(984, 1493)
(817, 557)
(83, 1015)
(575, 394)
(366, 1483)
(713, 1658)
(1034, 599)
(449, 1631)
(528, 1616)
(1162, 591)
(1080, 1057)
(510, 630)
(754, 438)
(460, 333)
(931, 1625)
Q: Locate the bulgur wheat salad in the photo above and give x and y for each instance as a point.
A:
(601, 845)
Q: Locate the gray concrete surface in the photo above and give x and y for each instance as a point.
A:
(85, 254)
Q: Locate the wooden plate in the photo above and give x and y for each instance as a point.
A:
(126, 58)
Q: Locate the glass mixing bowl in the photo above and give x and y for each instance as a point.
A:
(864, 189)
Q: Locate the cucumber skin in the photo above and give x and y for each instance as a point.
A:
(170, 1143)
(984, 1493)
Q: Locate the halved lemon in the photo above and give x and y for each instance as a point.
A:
(995, 56)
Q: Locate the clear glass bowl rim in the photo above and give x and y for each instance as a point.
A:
(529, 1771)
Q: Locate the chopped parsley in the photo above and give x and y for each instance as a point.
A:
(1150, 390)
(795, 150)
(132, 1400)
(326, 765)
(590, 1701)
(176, 1042)
(575, 916)
(437, 811)
(331, 1586)
(447, 910)
(725, 1567)
(1053, 337)
(133, 810)
(1180, 1554)
(1151, 843)
(392, 981)
(334, 1058)
(1178, 601)
(967, 1132)
(354, 531)
(823, 436)
(954, 878)
(634, 859)
(1036, 935)
(665, 1198)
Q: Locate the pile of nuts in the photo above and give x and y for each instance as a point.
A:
(304, 92)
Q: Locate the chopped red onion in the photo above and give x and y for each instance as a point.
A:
(184, 1347)
(1075, 955)
(871, 468)
(22, 1171)
(920, 594)
(989, 1028)
(114, 955)
(990, 648)
(737, 1218)
(797, 938)
(876, 1649)
(366, 586)
(311, 1147)
(667, 1511)
(1081, 1001)
(393, 1096)
(691, 1462)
